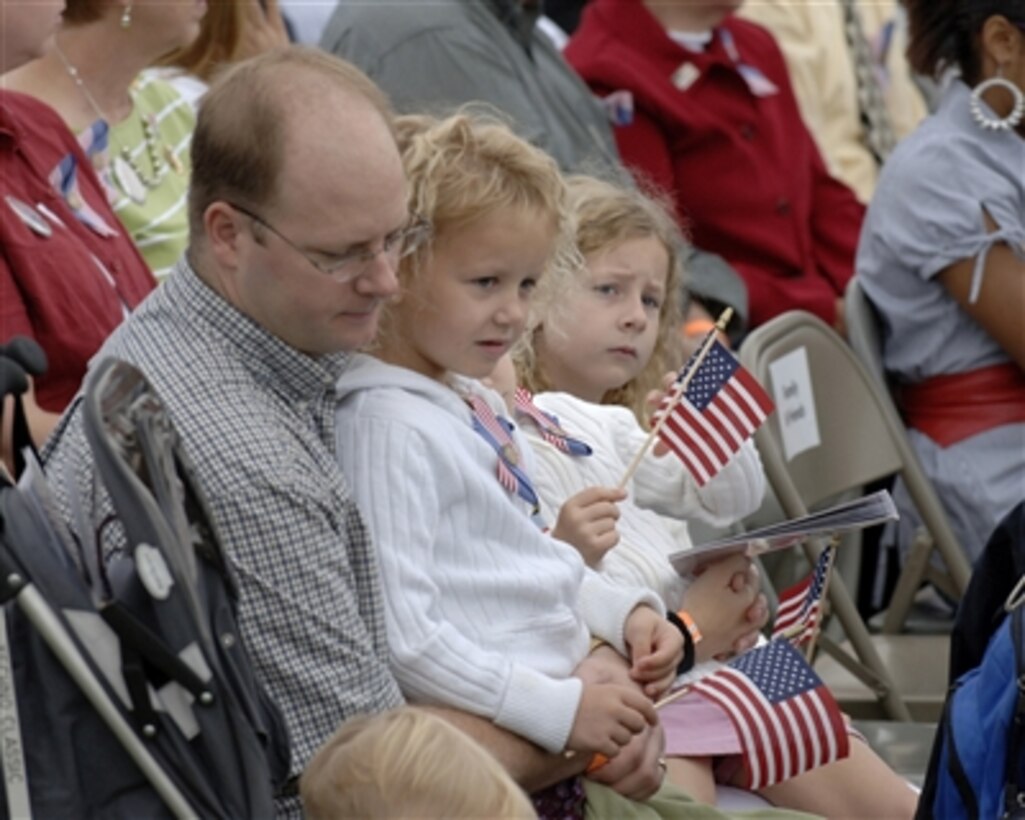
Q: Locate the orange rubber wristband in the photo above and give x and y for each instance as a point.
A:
(689, 622)
(596, 763)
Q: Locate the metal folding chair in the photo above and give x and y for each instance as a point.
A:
(860, 441)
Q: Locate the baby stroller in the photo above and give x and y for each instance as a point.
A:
(125, 689)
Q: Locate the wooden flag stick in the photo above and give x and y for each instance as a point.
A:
(681, 388)
(833, 544)
(672, 696)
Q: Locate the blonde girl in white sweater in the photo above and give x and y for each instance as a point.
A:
(596, 360)
(486, 612)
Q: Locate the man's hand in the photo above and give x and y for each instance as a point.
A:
(588, 521)
(636, 771)
(656, 649)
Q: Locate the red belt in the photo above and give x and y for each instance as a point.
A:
(951, 408)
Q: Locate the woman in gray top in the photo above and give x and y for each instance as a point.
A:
(942, 256)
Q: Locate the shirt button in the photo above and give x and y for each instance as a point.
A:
(747, 131)
(783, 206)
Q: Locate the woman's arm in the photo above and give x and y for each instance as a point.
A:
(1000, 305)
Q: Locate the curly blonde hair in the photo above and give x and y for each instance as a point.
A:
(471, 165)
(607, 215)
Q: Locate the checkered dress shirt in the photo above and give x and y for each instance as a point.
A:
(256, 417)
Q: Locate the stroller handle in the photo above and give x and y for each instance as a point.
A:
(13, 381)
(27, 353)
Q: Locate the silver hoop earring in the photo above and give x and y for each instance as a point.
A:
(126, 16)
(989, 123)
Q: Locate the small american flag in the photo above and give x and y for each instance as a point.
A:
(547, 425)
(787, 720)
(800, 606)
(721, 408)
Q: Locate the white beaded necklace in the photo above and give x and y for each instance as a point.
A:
(127, 172)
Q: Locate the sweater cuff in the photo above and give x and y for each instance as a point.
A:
(605, 607)
(540, 708)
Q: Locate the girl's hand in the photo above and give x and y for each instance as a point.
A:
(588, 521)
(725, 602)
(656, 649)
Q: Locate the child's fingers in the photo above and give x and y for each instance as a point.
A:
(758, 613)
(655, 664)
(655, 689)
(606, 540)
(738, 581)
(603, 495)
(640, 703)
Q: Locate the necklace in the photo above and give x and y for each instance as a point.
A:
(129, 175)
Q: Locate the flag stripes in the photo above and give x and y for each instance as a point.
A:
(786, 719)
(721, 408)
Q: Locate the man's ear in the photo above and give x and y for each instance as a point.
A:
(221, 225)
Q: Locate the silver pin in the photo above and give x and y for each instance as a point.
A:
(27, 214)
(45, 211)
(685, 76)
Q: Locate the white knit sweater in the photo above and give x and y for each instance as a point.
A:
(653, 519)
(484, 612)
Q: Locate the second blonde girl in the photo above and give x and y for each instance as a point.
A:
(598, 348)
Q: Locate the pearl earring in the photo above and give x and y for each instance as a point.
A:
(989, 123)
(126, 16)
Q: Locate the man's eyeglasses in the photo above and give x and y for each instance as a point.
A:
(353, 263)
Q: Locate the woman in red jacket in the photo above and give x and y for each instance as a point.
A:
(68, 271)
(709, 116)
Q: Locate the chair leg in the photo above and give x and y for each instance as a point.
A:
(911, 577)
(861, 641)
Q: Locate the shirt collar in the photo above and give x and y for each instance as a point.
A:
(274, 363)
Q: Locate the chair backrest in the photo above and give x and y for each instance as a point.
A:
(864, 330)
(861, 437)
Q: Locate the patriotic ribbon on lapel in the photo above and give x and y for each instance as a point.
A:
(495, 431)
(64, 178)
(757, 82)
(548, 425)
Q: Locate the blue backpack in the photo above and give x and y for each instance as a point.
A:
(977, 767)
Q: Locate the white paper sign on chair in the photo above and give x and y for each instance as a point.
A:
(795, 403)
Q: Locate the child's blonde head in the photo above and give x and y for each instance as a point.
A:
(470, 166)
(606, 215)
(407, 763)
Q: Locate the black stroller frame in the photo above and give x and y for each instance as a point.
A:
(141, 647)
